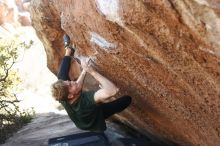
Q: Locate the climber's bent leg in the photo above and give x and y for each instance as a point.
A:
(115, 106)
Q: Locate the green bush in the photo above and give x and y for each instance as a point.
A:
(11, 117)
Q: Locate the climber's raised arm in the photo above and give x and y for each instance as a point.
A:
(80, 79)
(108, 89)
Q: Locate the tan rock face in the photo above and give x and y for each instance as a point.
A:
(165, 54)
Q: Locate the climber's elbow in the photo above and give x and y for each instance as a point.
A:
(115, 91)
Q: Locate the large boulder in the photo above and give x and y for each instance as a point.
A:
(165, 54)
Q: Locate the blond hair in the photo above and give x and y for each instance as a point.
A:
(59, 90)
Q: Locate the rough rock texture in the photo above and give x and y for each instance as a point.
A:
(164, 53)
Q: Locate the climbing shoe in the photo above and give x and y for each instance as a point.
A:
(66, 40)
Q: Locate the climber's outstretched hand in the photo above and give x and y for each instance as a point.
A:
(87, 65)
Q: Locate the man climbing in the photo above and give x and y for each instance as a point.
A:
(87, 109)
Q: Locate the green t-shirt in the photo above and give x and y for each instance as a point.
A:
(85, 113)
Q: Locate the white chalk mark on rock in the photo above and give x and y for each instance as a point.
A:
(100, 41)
(110, 9)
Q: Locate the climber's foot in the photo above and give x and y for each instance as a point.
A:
(66, 40)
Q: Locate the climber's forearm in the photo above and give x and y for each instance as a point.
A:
(81, 77)
(107, 86)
